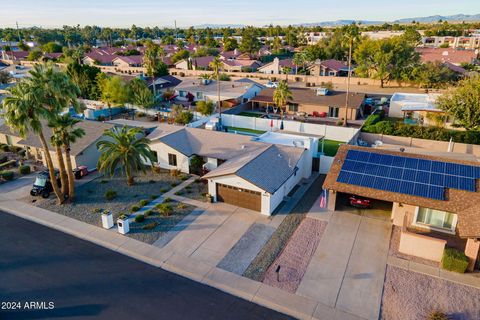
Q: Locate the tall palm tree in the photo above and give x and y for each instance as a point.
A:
(126, 149)
(286, 71)
(151, 59)
(65, 134)
(281, 95)
(216, 64)
(351, 34)
(56, 92)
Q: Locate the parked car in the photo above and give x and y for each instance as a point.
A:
(80, 172)
(42, 186)
(359, 202)
(271, 84)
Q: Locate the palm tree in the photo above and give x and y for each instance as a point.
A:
(151, 59)
(351, 34)
(216, 64)
(56, 92)
(126, 149)
(281, 95)
(286, 70)
(64, 136)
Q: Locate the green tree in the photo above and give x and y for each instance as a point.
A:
(216, 64)
(52, 47)
(152, 61)
(412, 36)
(184, 117)
(433, 75)
(281, 96)
(351, 35)
(22, 46)
(5, 77)
(180, 55)
(34, 55)
(85, 77)
(276, 45)
(230, 44)
(114, 91)
(250, 43)
(463, 103)
(124, 149)
(140, 95)
(64, 135)
(206, 108)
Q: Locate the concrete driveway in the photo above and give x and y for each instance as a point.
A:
(348, 268)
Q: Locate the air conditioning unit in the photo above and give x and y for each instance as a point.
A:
(322, 91)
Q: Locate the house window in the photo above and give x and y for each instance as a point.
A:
(436, 219)
(293, 107)
(172, 159)
(333, 112)
(199, 95)
(181, 94)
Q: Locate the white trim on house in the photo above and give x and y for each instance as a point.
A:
(431, 227)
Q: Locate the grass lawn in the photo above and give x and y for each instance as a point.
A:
(330, 147)
(250, 114)
(246, 130)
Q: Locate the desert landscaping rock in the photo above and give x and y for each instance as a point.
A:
(411, 295)
(294, 259)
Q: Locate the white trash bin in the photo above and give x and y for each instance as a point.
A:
(123, 225)
(107, 220)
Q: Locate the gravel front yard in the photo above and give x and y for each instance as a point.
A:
(196, 190)
(414, 296)
(155, 225)
(296, 256)
(90, 197)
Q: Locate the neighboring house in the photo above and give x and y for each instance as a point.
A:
(331, 68)
(241, 65)
(416, 108)
(277, 66)
(242, 172)
(200, 63)
(315, 37)
(467, 43)
(15, 55)
(313, 102)
(229, 55)
(433, 199)
(84, 151)
(99, 57)
(128, 61)
(164, 83)
(232, 91)
(450, 55)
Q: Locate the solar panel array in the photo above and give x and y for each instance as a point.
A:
(412, 176)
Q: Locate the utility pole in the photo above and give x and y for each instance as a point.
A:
(18, 32)
(176, 33)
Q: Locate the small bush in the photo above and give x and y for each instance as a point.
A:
(148, 213)
(153, 197)
(143, 202)
(7, 175)
(437, 315)
(174, 173)
(104, 181)
(24, 169)
(197, 180)
(167, 200)
(178, 193)
(454, 260)
(150, 226)
(122, 216)
(181, 206)
(97, 210)
(183, 178)
(110, 194)
(163, 190)
(174, 184)
(139, 218)
(165, 209)
(188, 187)
(134, 208)
(156, 170)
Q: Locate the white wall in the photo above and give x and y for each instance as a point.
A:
(183, 163)
(329, 132)
(325, 164)
(211, 164)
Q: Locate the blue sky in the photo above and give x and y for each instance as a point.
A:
(194, 12)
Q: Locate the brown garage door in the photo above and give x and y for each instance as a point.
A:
(239, 197)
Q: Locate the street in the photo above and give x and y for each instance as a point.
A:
(44, 266)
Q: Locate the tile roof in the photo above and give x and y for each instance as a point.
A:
(463, 203)
(309, 96)
(333, 64)
(93, 131)
(451, 55)
(131, 60)
(264, 165)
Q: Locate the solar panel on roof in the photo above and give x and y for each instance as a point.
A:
(407, 175)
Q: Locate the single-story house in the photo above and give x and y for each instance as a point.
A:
(314, 102)
(128, 61)
(198, 89)
(434, 198)
(83, 152)
(451, 55)
(200, 63)
(242, 172)
(240, 65)
(331, 68)
(164, 83)
(15, 55)
(99, 56)
(277, 66)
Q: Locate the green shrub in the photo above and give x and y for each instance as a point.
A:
(373, 119)
(174, 184)
(178, 193)
(183, 178)
(181, 206)
(454, 260)
(148, 213)
(143, 202)
(167, 200)
(197, 180)
(165, 209)
(97, 210)
(153, 197)
(122, 216)
(163, 190)
(110, 194)
(134, 208)
(103, 181)
(7, 175)
(437, 315)
(139, 218)
(24, 169)
(150, 226)
(188, 187)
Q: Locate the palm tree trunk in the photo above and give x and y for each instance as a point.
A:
(348, 82)
(51, 169)
(219, 102)
(71, 178)
(61, 167)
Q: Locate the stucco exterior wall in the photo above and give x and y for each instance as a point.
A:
(402, 214)
(183, 162)
(422, 246)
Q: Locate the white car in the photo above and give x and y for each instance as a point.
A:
(271, 84)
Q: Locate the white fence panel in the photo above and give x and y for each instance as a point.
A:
(325, 164)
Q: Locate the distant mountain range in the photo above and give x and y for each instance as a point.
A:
(429, 19)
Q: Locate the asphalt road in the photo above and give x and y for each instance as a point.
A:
(85, 281)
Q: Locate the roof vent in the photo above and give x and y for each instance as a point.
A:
(243, 147)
